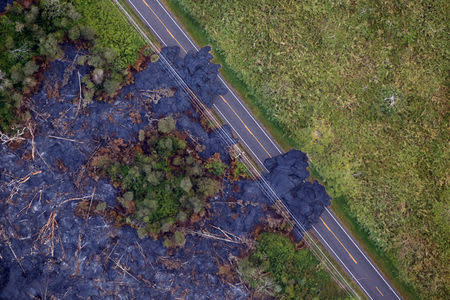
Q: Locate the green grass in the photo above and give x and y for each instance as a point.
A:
(324, 74)
(112, 29)
(139, 22)
(277, 269)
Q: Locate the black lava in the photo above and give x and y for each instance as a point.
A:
(3, 4)
(287, 175)
(93, 258)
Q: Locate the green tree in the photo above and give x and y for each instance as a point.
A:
(111, 85)
(186, 184)
(30, 67)
(179, 239)
(48, 46)
(166, 125)
(74, 33)
(17, 75)
(87, 33)
(207, 186)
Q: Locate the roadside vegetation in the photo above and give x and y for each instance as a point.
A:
(362, 88)
(112, 30)
(276, 268)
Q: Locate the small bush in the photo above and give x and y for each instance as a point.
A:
(216, 167)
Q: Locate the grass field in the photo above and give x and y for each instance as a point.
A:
(112, 29)
(362, 87)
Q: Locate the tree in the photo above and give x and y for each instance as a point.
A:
(98, 76)
(111, 85)
(179, 239)
(166, 125)
(30, 67)
(74, 33)
(186, 184)
(17, 75)
(48, 46)
(207, 186)
(110, 55)
(31, 15)
(96, 61)
(216, 167)
(9, 43)
(196, 203)
(87, 33)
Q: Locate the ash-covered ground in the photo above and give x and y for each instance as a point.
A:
(46, 250)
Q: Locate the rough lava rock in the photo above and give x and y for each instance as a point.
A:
(92, 258)
(198, 72)
(287, 175)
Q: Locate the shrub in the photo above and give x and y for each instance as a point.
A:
(277, 269)
(216, 167)
(166, 125)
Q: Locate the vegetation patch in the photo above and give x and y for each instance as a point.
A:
(362, 89)
(278, 269)
(162, 181)
(28, 38)
(31, 37)
(111, 29)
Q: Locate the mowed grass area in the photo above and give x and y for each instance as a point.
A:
(362, 87)
(112, 29)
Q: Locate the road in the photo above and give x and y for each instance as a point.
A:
(329, 230)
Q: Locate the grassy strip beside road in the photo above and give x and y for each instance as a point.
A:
(111, 29)
(362, 90)
(139, 22)
(276, 268)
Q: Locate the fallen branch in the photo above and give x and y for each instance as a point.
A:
(213, 236)
(4, 138)
(74, 199)
(47, 232)
(90, 204)
(30, 203)
(142, 253)
(17, 183)
(229, 235)
(45, 162)
(123, 269)
(77, 254)
(65, 139)
(31, 130)
(8, 242)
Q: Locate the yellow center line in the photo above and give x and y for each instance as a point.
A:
(167, 29)
(379, 291)
(338, 240)
(248, 129)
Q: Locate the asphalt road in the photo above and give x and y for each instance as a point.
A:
(329, 230)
